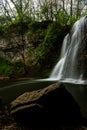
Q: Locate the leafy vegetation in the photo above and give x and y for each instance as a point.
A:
(31, 34)
(5, 67)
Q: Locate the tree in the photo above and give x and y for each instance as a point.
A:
(15, 16)
(15, 39)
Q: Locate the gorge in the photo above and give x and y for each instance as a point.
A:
(70, 69)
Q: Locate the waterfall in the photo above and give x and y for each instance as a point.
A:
(72, 65)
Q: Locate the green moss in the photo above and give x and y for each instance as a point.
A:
(5, 67)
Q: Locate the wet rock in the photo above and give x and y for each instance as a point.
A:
(49, 107)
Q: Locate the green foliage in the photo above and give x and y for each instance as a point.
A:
(16, 27)
(1, 32)
(52, 42)
(44, 37)
(33, 26)
(62, 17)
(18, 68)
(36, 33)
(55, 35)
(5, 67)
(72, 20)
(45, 11)
(51, 36)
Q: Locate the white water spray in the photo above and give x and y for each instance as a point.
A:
(72, 65)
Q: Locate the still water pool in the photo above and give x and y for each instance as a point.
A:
(79, 92)
(9, 90)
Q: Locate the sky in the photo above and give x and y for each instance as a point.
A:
(85, 1)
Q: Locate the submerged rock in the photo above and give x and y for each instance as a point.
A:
(51, 106)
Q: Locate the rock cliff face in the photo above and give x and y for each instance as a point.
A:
(49, 107)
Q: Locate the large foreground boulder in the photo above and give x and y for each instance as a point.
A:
(51, 107)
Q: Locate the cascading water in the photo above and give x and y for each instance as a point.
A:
(72, 65)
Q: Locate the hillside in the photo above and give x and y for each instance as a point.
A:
(32, 51)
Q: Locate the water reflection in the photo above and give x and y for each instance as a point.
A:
(79, 92)
(12, 90)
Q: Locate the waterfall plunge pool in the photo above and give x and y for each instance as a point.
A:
(14, 89)
(79, 92)
(9, 90)
(77, 88)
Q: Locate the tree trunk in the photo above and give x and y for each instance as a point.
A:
(71, 11)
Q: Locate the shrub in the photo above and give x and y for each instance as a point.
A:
(5, 67)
